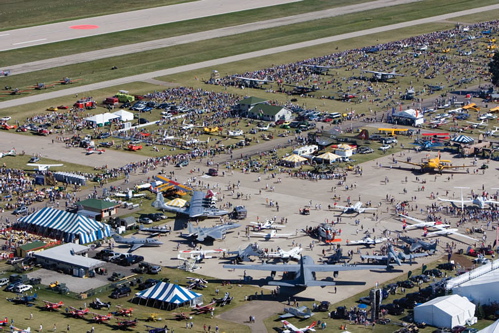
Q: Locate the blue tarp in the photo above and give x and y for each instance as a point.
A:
(168, 296)
(59, 224)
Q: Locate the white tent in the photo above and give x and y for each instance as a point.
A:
(445, 311)
(124, 115)
(479, 285)
(494, 328)
(101, 119)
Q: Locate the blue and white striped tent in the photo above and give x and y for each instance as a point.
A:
(463, 139)
(68, 227)
(168, 296)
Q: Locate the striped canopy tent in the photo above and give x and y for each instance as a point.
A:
(68, 227)
(293, 160)
(463, 139)
(329, 156)
(167, 296)
(177, 202)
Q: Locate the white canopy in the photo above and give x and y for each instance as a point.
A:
(124, 115)
(445, 311)
(494, 328)
(101, 119)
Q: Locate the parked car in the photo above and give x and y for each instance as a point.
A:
(4, 281)
(389, 140)
(123, 291)
(144, 218)
(148, 284)
(23, 210)
(116, 276)
(154, 269)
(22, 288)
(385, 147)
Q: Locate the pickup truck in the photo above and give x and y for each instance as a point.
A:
(116, 276)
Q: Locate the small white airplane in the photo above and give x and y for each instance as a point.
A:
(293, 254)
(356, 208)
(290, 328)
(492, 132)
(448, 232)
(199, 255)
(483, 123)
(129, 195)
(301, 312)
(481, 202)
(263, 128)
(421, 224)
(270, 235)
(368, 241)
(187, 127)
(269, 224)
(43, 167)
(236, 133)
(383, 76)
(11, 152)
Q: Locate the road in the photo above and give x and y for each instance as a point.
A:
(245, 56)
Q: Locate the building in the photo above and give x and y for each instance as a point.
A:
(408, 117)
(269, 112)
(97, 209)
(36, 246)
(69, 258)
(246, 104)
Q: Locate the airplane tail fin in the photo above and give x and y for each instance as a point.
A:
(190, 228)
(160, 200)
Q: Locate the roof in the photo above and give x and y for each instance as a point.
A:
(98, 204)
(33, 245)
(66, 253)
(102, 118)
(169, 293)
(451, 304)
(491, 328)
(463, 139)
(266, 109)
(252, 100)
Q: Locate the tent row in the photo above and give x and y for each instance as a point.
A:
(66, 226)
(167, 296)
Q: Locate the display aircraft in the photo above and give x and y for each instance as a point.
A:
(187, 127)
(294, 254)
(270, 235)
(199, 206)
(252, 250)
(435, 87)
(20, 330)
(356, 208)
(479, 201)
(251, 82)
(481, 124)
(427, 144)
(222, 301)
(393, 255)
(290, 328)
(367, 241)
(318, 69)
(436, 164)
(416, 244)
(136, 243)
(126, 323)
(303, 273)
(263, 128)
(181, 316)
(4, 322)
(154, 230)
(26, 300)
(123, 311)
(129, 195)
(11, 152)
(300, 90)
(41, 85)
(199, 255)
(383, 76)
(217, 232)
(196, 283)
(188, 265)
(448, 232)
(201, 309)
(93, 150)
(235, 133)
(53, 306)
(99, 318)
(67, 80)
(420, 224)
(152, 329)
(43, 167)
(301, 312)
(268, 224)
(12, 92)
(492, 132)
(77, 313)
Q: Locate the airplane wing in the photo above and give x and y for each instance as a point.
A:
(411, 163)
(457, 201)
(374, 257)
(454, 166)
(135, 247)
(448, 232)
(340, 207)
(282, 235)
(286, 315)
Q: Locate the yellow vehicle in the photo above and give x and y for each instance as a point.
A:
(436, 164)
(213, 129)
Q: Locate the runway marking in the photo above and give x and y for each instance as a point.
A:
(4, 35)
(84, 27)
(30, 41)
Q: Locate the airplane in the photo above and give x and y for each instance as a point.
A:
(13, 92)
(136, 243)
(367, 241)
(78, 313)
(481, 202)
(98, 318)
(222, 301)
(41, 85)
(383, 76)
(272, 234)
(293, 254)
(201, 309)
(492, 132)
(263, 128)
(481, 124)
(188, 265)
(182, 316)
(26, 300)
(4, 322)
(67, 80)
(427, 144)
(356, 208)
(435, 163)
(129, 195)
(300, 90)
(318, 69)
(199, 255)
(43, 167)
(199, 206)
(302, 312)
(235, 133)
(7, 127)
(93, 150)
(154, 230)
(152, 329)
(393, 255)
(290, 328)
(252, 250)
(324, 231)
(415, 244)
(11, 152)
(217, 232)
(420, 224)
(20, 330)
(187, 127)
(253, 83)
(447, 232)
(126, 323)
(435, 87)
(53, 306)
(196, 283)
(123, 311)
(303, 273)
(268, 224)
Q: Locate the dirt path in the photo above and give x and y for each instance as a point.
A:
(259, 309)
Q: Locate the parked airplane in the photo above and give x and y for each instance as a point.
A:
(136, 243)
(154, 230)
(251, 82)
(252, 250)
(199, 255)
(263, 128)
(99, 318)
(201, 309)
(125, 323)
(492, 132)
(415, 244)
(301, 312)
(293, 254)
(43, 167)
(393, 255)
(481, 202)
(26, 300)
(272, 234)
(93, 150)
(356, 208)
(268, 224)
(368, 241)
(300, 90)
(318, 69)
(129, 195)
(303, 273)
(216, 232)
(436, 164)
(236, 133)
(481, 124)
(20, 330)
(222, 301)
(420, 224)
(448, 232)
(11, 152)
(427, 144)
(290, 328)
(53, 306)
(383, 76)
(199, 206)
(77, 313)
(196, 283)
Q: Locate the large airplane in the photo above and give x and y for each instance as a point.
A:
(290, 328)
(442, 229)
(216, 232)
(293, 254)
(199, 206)
(43, 167)
(393, 255)
(356, 208)
(252, 83)
(415, 244)
(383, 76)
(420, 224)
(368, 241)
(436, 164)
(136, 243)
(481, 202)
(302, 312)
(303, 273)
(129, 195)
(448, 232)
(270, 235)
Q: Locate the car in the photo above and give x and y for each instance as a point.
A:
(182, 163)
(213, 172)
(405, 284)
(422, 277)
(448, 266)
(163, 106)
(458, 329)
(389, 140)
(434, 272)
(12, 285)
(393, 309)
(485, 250)
(122, 291)
(116, 276)
(148, 284)
(365, 150)
(143, 121)
(154, 269)
(22, 288)
(22, 210)
(147, 109)
(34, 159)
(323, 306)
(5, 118)
(385, 147)
(4, 281)
(145, 219)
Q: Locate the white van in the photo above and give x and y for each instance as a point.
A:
(22, 288)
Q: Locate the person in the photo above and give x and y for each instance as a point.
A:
(54, 328)
(41, 328)
(31, 316)
(68, 328)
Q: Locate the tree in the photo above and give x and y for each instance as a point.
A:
(494, 69)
